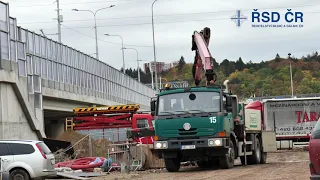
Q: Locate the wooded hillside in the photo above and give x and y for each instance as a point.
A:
(265, 78)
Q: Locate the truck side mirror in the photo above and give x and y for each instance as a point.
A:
(153, 105)
(232, 105)
(229, 104)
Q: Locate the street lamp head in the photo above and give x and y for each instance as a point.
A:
(112, 6)
(75, 10)
(107, 34)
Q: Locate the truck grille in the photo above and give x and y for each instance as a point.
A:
(191, 132)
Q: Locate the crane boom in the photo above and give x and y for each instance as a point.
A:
(203, 58)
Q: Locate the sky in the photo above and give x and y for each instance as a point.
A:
(174, 21)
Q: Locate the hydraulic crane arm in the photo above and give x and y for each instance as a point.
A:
(203, 59)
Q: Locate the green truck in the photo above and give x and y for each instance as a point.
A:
(207, 125)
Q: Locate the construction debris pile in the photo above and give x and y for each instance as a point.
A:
(104, 152)
(92, 150)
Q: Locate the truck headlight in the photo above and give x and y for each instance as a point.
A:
(214, 142)
(211, 142)
(217, 142)
(161, 144)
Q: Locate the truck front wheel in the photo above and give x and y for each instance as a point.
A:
(227, 161)
(172, 164)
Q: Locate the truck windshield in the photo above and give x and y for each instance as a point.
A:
(179, 103)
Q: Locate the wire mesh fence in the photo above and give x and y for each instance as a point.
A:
(118, 155)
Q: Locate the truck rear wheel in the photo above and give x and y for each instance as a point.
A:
(263, 158)
(172, 164)
(255, 158)
(227, 161)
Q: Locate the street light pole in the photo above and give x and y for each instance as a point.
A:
(137, 61)
(96, 35)
(291, 76)
(138, 69)
(95, 25)
(154, 49)
(122, 48)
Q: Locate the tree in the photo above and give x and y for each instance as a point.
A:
(277, 58)
(181, 63)
(224, 66)
(215, 64)
(246, 79)
(239, 64)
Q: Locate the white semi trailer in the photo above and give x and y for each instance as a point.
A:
(293, 119)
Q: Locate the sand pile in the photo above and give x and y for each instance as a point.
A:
(149, 160)
(153, 162)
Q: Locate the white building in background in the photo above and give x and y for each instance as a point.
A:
(161, 66)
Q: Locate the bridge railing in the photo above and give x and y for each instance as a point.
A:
(48, 63)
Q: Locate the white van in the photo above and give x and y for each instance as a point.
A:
(26, 160)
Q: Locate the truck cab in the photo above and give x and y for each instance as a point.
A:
(142, 128)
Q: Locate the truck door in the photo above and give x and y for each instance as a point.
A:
(6, 157)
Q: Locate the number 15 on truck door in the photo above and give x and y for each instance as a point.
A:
(213, 119)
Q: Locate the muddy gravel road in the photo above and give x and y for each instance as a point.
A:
(285, 165)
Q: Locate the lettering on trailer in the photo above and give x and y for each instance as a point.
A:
(293, 117)
(293, 130)
(300, 104)
(311, 116)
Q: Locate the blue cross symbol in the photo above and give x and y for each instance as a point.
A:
(238, 18)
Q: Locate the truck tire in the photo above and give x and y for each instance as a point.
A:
(172, 164)
(227, 161)
(263, 158)
(255, 158)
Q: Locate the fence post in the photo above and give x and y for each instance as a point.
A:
(141, 146)
(129, 155)
(90, 145)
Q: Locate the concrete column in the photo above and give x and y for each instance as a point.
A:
(12, 118)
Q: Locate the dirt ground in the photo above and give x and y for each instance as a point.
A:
(283, 165)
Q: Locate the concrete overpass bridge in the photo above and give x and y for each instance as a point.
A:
(41, 81)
